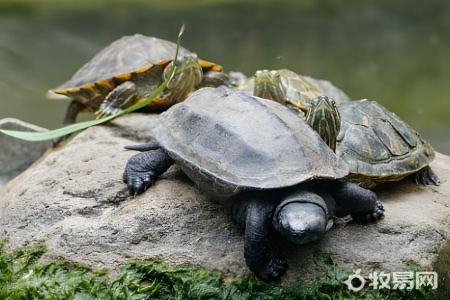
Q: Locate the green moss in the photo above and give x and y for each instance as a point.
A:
(22, 278)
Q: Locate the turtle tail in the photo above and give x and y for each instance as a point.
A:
(153, 145)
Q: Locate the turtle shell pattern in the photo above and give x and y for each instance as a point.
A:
(377, 145)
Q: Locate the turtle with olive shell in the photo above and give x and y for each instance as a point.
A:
(375, 143)
(129, 70)
(255, 156)
(292, 89)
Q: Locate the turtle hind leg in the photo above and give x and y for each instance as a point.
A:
(143, 169)
(426, 176)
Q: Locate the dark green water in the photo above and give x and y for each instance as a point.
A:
(395, 52)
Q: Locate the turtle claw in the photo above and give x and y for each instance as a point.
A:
(266, 263)
(273, 270)
(276, 267)
(376, 214)
(143, 169)
(138, 178)
(138, 182)
(426, 176)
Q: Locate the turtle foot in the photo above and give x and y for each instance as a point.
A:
(426, 176)
(137, 179)
(373, 216)
(143, 169)
(266, 263)
(275, 268)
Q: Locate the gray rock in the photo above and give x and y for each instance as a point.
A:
(75, 203)
(15, 154)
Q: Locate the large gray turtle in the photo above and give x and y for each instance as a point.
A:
(375, 143)
(254, 155)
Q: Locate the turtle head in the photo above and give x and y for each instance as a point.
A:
(323, 116)
(188, 74)
(268, 86)
(301, 218)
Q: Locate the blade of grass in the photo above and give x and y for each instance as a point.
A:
(52, 134)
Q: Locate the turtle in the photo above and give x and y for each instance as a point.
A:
(129, 70)
(274, 173)
(292, 89)
(375, 143)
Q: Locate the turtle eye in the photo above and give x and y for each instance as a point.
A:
(275, 74)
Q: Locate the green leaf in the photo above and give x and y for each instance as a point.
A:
(52, 134)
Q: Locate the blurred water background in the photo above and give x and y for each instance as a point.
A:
(394, 52)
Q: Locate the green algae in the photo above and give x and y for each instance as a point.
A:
(22, 277)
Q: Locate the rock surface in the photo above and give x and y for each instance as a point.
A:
(73, 200)
(16, 155)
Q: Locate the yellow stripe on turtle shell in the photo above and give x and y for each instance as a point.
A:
(209, 65)
(123, 77)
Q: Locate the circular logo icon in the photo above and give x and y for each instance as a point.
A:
(349, 281)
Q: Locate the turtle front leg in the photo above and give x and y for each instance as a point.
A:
(72, 112)
(118, 99)
(70, 118)
(267, 263)
(360, 203)
(143, 169)
(370, 216)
